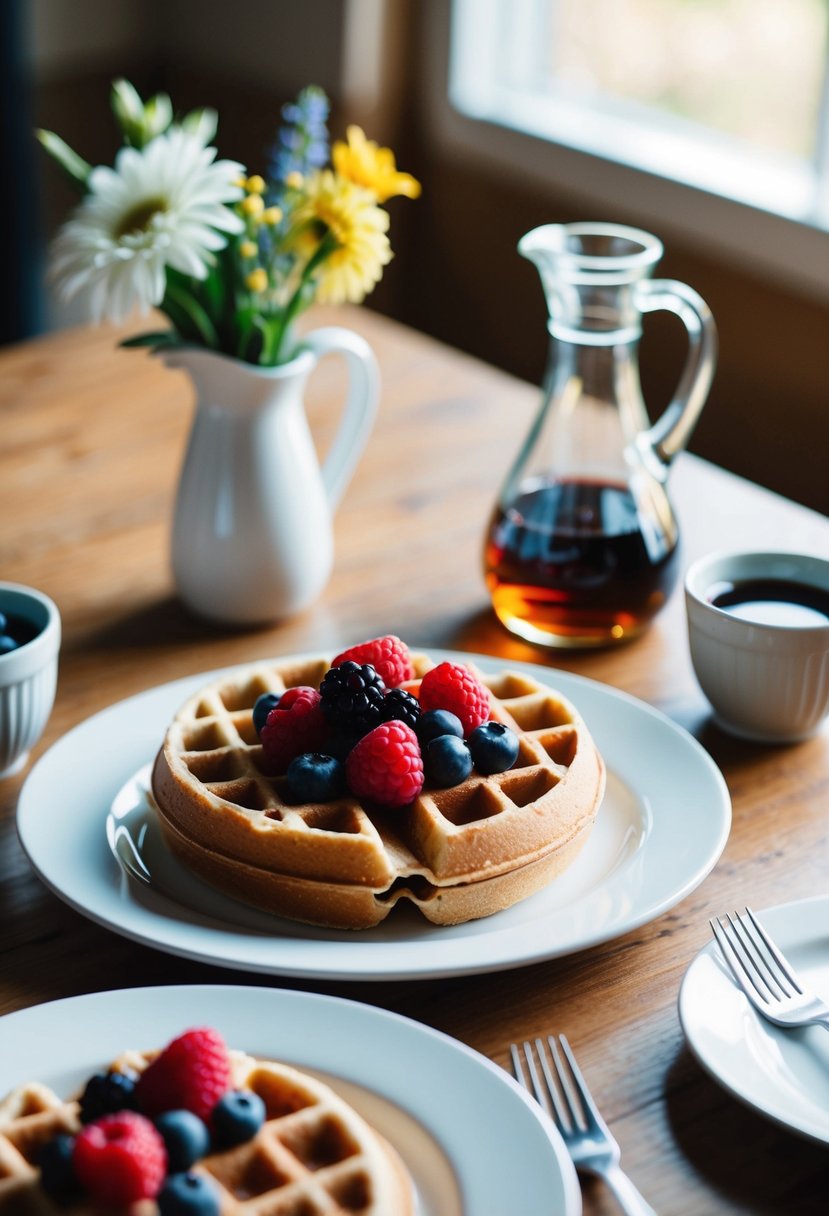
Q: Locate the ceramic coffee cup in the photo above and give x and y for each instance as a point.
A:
(28, 672)
(758, 630)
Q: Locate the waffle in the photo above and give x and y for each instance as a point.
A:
(456, 854)
(314, 1155)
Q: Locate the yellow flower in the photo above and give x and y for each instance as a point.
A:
(257, 280)
(363, 162)
(294, 180)
(255, 184)
(358, 225)
(253, 204)
(248, 249)
(271, 215)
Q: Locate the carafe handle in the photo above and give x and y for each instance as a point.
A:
(672, 430)
(360, 405)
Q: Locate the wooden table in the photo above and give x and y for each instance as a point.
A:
(92, 438)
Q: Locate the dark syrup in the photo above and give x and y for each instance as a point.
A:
(772, 601)
(574, 559)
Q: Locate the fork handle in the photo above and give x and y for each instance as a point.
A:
(628, 1197)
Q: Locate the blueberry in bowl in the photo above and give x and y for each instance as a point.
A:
(30, 634)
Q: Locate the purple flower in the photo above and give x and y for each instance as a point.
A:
(302, 141)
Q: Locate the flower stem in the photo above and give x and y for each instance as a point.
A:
(298, 300)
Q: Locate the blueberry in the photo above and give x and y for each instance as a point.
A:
(436, 722)
(237, 1117)
(57, 1176)
(188, 1195)
(447, 760)
(494, 747)
(261, 709)
(313, 777)
(185, 1137)
(106, 1093)
(7, 644)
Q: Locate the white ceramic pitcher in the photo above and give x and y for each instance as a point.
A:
(252, 537)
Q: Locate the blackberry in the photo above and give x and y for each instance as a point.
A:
(106, 1093)
(401, 706)
(352, 697)
(341, 739)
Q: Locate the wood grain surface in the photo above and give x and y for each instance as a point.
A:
(92, 438)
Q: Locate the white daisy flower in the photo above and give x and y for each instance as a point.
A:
(162, 205)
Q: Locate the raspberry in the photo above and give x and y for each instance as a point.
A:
(120, 1159)
(386, 765)
(352, 697)
(294, 726)
(388, 656)
(454, 687)
(191, 1073)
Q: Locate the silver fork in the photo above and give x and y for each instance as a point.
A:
(765, 975)
(562, 1091)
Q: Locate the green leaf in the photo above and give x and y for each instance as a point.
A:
(271, 331)
(214, 294)
(197, 320)
(162, 337)
(74, 166)
(244, 331)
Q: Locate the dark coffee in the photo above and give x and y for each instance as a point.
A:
(772, 601)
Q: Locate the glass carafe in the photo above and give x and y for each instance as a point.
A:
(582, 547)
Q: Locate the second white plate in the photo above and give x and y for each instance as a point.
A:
(663, 825)
(474, 1143)
(782, 1074)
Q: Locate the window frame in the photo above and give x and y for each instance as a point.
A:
(779, 247)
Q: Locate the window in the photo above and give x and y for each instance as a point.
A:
(637, 100)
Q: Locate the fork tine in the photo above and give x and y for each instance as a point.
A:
(525, 1068)
(782, 962)
(765, 968)
(743, 975)
(591, 1113)
(517, 1067)
(563, 1116)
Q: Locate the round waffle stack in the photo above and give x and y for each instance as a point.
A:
(314, 1154)
(456, 854)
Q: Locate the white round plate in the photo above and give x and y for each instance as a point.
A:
(661, 828)
(782, 1074)
(473, 1141)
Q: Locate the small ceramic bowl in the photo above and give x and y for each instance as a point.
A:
(766, 681)
(28, 674)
